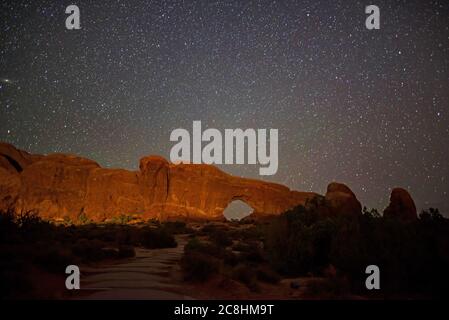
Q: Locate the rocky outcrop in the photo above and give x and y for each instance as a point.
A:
(12, 163)
(59, 186)
(204, 190)
(15, 160)
(401, 206)
(341, 200)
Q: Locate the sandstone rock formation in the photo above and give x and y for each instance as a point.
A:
(341, 200)
(401, 206)
(59, 186)
(12, 163)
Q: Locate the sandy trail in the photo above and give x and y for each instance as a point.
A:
(151, 274)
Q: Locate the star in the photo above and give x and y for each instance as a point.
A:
(351, 105)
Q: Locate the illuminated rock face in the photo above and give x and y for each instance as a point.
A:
(59, 186)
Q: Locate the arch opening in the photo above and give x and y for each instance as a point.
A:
(237, 210)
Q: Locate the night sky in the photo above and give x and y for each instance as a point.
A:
(365, 107)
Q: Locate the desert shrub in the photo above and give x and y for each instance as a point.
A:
(82, 218)
(220, 238)
(154, 222)
(198, 266)
(135, 236)
(54, 258)
(123, 236)
(7, 219)
(108, 253)
(208, 248)
(251, 233)
(230, 258)
(14, 279)
(67, 220)
(29, 243)
(123, 219)
(29, 220)
(120, 234)
(246, 220)
(240, 246)
(373, 213)
(246, 275)
(328, 288)
(413, 256)
(298, 243)
(8, 227)
(267, 274)
(31, 226)
(201, 259)
(254, 254)
(211, 228)
(126, 252)
(176, 227)
(91, 250)
(250, 251)
(157, 238)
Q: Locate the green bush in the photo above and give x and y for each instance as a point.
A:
(83, 219)
(123, 219)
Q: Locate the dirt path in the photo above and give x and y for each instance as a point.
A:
(152, 274)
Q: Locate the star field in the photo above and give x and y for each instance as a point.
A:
(368, 108)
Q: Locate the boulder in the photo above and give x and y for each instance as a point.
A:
(401, 206)
(341, 200)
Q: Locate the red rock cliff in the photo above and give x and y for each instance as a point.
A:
(59, 185)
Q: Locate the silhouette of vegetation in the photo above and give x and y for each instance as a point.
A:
(176, 227)
(29, 244)
(200, 260)
(246, 275)
(214, 253)
(157, 238)
(221, 238)
(267, 274)
(332, 252)
(413, 256)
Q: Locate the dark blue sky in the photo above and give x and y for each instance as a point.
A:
(367, 108)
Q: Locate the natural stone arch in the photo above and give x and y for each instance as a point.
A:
(237, 209)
